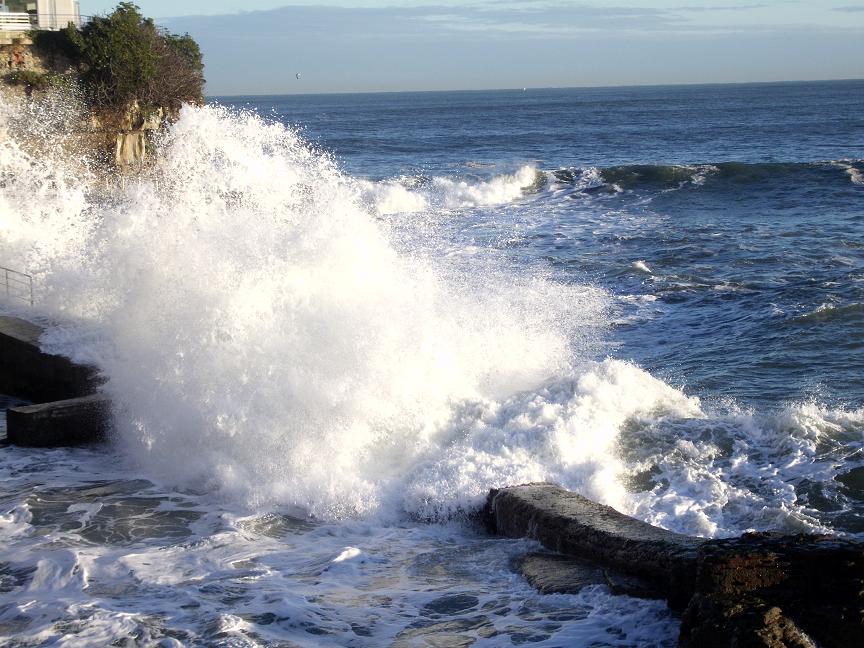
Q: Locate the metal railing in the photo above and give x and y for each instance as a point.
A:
(16, 21)
(56, 21)
(16, 286)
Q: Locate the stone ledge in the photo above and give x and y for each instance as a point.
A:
(574, 525)
(26, 371)
(762, 590)
(76, 421)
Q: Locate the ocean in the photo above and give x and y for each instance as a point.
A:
(330, 324)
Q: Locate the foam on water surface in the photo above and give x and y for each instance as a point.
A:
(104, 557)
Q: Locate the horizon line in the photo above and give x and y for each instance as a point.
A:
(527, 88)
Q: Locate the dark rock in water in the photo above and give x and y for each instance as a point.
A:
(715, 621)
(565, 175)
(576, 526)
(71, 422)
(450, 604)
(777, 590)
(760, 590)
(557, 574)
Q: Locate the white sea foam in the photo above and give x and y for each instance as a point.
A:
(245, 578)
(735, 470)
(260, 334)
(406, 195)
(169, 566)
(855, 174)
(701, 173)
(566, 432)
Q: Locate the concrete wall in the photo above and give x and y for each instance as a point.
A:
(27, 372)
(71, 422)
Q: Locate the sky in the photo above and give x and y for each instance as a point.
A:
(258, 46)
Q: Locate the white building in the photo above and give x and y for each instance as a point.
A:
(24, 15)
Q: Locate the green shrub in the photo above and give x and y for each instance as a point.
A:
(124, 57)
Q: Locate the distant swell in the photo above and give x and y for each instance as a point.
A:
(848, 313)
(646, 176)
(420, 193)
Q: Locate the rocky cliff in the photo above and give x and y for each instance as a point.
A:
(120, 139)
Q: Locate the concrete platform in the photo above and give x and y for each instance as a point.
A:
(69, 411)
(26, 371)
(72, 422)
(576, 526)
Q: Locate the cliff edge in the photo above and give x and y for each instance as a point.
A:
(125, 76)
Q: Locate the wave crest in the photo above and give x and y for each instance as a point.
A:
(261, 335)
(411, 195)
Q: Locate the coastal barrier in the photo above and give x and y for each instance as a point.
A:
(762, 589)
(76, 421)
(68, 409)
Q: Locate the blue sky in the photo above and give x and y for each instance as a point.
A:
(256, 47)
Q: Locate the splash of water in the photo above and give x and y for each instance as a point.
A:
(258, 331)
(266, 334)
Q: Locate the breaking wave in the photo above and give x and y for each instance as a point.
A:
(265, 334)
(417, 194)
(718, 174)
(441, 194)
(258, 331)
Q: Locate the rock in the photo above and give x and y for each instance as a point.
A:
(557, 574)
(716, 621)
(118, 137)
(812, 586)
(574, 525)
(132, 128)
(77, 421)
(131, 149)
(19, 55)
(762, 590)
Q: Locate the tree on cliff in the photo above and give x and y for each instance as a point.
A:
(124, 57)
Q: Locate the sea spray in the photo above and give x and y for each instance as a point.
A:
(260, 335)
(44, 183)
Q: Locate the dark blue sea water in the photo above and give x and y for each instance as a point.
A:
(738, 210)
